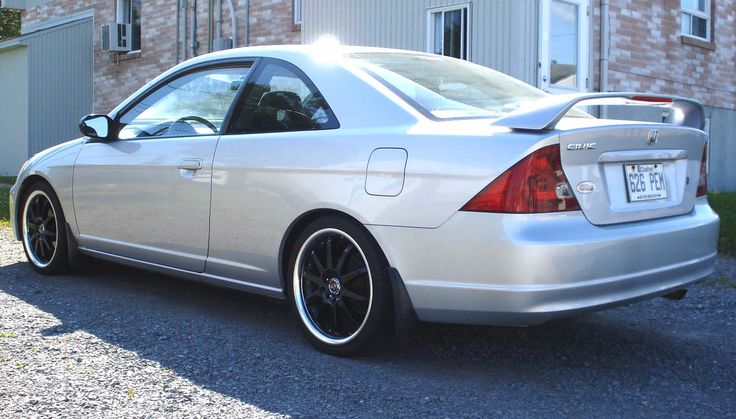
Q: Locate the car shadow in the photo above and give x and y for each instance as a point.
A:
(250, 348)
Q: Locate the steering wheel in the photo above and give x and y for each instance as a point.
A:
(199, 119)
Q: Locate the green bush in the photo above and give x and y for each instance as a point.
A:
(725, 205)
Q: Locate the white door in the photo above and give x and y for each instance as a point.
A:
(146, 194)
(564, 44)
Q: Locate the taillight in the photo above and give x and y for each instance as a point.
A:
(703, 181)
(534, 184)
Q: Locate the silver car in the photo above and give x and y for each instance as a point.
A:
(373, 187)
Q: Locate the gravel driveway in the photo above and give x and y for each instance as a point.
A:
(119, 342)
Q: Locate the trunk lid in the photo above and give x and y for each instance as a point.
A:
(632, 172)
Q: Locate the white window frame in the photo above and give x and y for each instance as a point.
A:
(465, 42)
(685, 12)
(297, 4)
(584, 53)
(120, 18)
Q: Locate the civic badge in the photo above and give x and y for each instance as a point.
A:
(652, 137)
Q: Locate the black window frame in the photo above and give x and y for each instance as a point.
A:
(247, 87)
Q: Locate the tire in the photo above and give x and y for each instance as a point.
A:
(43, 230)
(339, 287)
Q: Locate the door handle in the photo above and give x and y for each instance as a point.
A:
(190, 164)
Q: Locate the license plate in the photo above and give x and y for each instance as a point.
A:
(645, 181)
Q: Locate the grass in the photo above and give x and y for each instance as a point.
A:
(725, 205)
(5, 183)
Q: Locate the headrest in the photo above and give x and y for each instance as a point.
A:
(282, 100)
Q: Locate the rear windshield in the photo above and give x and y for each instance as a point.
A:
(448, 88)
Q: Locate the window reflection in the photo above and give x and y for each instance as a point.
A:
(564, 44)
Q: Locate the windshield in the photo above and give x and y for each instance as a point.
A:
(447, 87)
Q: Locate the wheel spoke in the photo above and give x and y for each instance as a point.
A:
(353, 296)
(35, 244)
(32, 211)
(351, 275)
(45, 243)
(343, 256)
(328, 254)
(313, 279)
(334, 318)
(346, 310)
(317, 263)
(313, 294)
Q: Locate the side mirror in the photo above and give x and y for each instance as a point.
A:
(96, 126)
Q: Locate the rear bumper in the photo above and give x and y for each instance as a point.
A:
(508, 269)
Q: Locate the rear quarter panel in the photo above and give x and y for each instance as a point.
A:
(263, 182)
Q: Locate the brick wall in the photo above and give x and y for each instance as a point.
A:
(116, 76)
(647, 52)
(272, 22)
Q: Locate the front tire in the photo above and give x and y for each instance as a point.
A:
(43, 230)
(339, 287)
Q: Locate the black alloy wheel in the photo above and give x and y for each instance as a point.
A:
(42, 229)
(340, 288)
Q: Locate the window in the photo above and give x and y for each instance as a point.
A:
(194, 104)
(448, 31)
(443, 88)
(297, 12)
(281, 98)
(696, 18)
(564, 45)
(129, 11)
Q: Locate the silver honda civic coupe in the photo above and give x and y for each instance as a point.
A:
(373, 187)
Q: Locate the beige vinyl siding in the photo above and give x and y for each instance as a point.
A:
(503, 33)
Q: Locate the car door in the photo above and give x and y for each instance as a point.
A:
(146, 194)
(265, 152)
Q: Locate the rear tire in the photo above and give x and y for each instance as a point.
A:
(339, 287)
(43, 230)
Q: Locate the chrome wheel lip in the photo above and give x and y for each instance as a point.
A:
(299, 297)
(27, 234)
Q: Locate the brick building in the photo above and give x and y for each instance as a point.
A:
(117, 75)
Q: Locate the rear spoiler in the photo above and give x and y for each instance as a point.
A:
(545, 113)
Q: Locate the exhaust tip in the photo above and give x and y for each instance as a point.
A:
(677, 295)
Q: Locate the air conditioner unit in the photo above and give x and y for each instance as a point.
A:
(117, 37)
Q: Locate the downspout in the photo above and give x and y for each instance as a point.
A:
(210, 15)
(194, 43)
(233, 22)
(218, 20)
(605, 49)
(245, 24)
(178, 29)
(185, 5)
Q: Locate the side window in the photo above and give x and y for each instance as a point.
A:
(193, 104)
(280, 99)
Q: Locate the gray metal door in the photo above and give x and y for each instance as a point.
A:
(59, 82)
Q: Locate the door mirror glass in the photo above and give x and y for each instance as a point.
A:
(96, 126)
